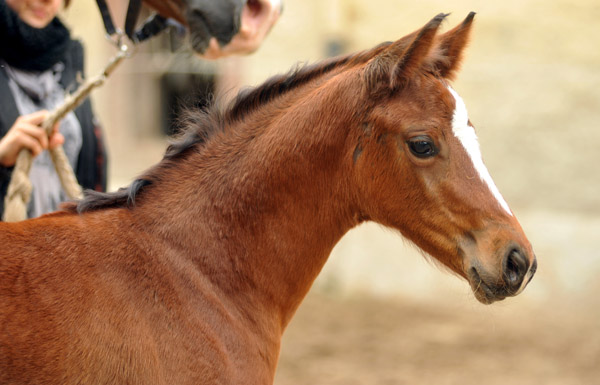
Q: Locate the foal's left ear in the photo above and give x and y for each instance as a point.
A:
(451, 46)
(393, 67)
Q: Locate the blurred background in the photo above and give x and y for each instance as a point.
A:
(380, 313)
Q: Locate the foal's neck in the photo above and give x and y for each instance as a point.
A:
(262, 205)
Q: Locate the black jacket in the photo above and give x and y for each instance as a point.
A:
(91, 164)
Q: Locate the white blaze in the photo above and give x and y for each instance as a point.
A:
(467, 137)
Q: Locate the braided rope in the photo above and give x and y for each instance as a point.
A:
(19, 190)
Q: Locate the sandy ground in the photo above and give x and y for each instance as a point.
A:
(365, 340)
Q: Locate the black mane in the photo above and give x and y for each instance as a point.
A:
(199, 125)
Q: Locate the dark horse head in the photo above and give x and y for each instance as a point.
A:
(222, 27)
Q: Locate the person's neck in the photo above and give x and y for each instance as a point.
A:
(29, 48)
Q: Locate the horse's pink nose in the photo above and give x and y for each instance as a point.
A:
(516, 267)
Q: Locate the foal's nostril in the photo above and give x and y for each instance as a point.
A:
(515, 269)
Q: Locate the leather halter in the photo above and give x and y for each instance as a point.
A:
(151, 27)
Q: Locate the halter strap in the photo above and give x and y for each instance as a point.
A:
(133, 13)
(106, 18)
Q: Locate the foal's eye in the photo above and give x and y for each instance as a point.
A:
(422, 147)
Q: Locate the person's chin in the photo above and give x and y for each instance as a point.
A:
(37, 21)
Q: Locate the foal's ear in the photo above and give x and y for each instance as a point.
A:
(399, 61)
(451, 46)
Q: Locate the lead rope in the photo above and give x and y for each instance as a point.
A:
(19, 190)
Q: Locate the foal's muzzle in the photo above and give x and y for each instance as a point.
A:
(515, 273)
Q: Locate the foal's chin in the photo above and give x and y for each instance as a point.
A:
(485, 295)
(483, 292)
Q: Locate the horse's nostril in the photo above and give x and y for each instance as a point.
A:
(515, 269)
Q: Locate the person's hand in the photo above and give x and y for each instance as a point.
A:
(27, 133)
(257, 19)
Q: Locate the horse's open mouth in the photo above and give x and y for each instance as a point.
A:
(483, 292)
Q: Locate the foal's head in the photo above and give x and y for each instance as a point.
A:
(420, 169)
